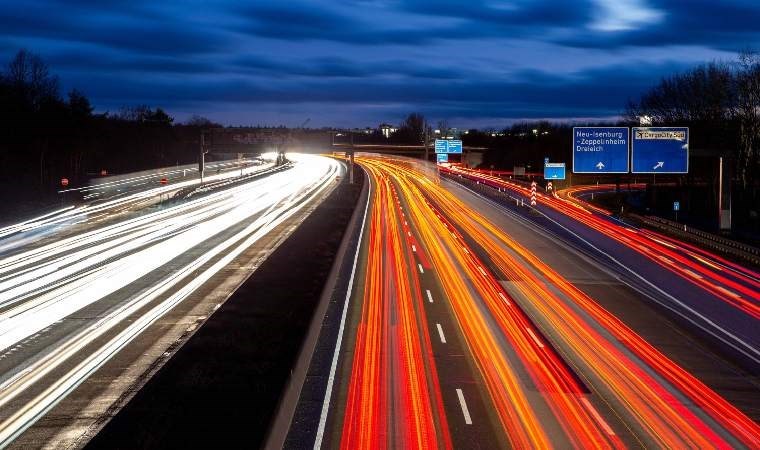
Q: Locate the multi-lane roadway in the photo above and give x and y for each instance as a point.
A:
(80, 284)
(472, 324)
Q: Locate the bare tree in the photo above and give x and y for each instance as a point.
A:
(748, 115)
(443, 126)
(702, 94)
(30, 76)
(413, 128)
(200, 121)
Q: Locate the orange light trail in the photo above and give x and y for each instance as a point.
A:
(658, 413)
(391, 401)
(743, 292)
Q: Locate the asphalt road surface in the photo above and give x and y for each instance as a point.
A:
(473, 325)
(77, 286)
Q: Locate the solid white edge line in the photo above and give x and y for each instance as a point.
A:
(738, 344)
(339, 341)
(597, 416)
(440, 333)
(463, 405)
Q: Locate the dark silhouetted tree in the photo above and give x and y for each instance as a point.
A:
(30, 78)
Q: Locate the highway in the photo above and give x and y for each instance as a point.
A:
(726, 302)
(469, 326)
(78, 285)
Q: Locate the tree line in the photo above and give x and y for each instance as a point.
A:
(720, 102)
(45, 136)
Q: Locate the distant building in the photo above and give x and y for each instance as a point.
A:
(387, 130)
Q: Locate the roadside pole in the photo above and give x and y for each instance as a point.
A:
(202, 159)
(351, 161)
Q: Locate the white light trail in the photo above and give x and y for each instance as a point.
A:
(42, 286)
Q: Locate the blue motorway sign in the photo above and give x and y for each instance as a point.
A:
(600, 149)
(676, 206)
(455, 146)
(554, 171)
(448, 146)
(442, 157)
(660, 150)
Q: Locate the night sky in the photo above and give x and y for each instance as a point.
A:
(358, 63)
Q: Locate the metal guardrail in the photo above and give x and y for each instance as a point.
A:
(739, 250)
(706, 240)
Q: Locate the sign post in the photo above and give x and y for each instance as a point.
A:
(600, 149)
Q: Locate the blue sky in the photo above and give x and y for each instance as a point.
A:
(475, 63)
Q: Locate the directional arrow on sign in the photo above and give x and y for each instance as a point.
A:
(658, 165)
(600, 165)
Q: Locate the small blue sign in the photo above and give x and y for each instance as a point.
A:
(600, 149)
(448, 146)
(442, 157)
(554, 171)
(676, 206)
(660, 150)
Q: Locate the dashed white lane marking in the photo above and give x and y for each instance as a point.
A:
(419, 266)
(535, 338)
(440, 333)
(692, 274)
(463, 404)
(482, 271)
(409, 233)
(727, 292)
(503, 297)
(429, 295)
(414, 249)
(598, 417)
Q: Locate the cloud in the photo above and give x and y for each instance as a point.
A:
(361, 60)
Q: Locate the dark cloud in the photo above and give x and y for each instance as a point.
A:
(134, 30)
(362, 59)
(600, 93)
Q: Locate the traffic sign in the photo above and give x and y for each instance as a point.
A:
(600, 149)
(554, 171)
(448, 146)
(676, 206)
(442, 157)
(455, 146)
(163, 181)
(64, 182)
(660, 150)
